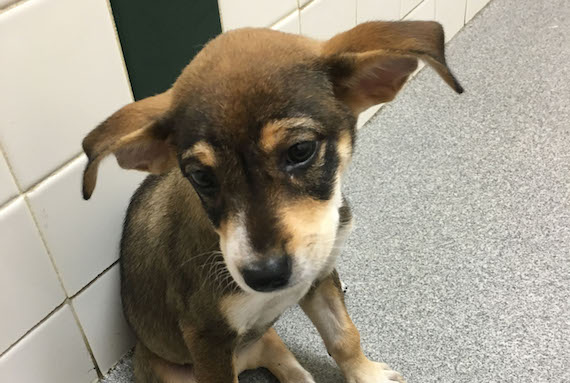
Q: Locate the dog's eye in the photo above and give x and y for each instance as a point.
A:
(301, 153)
(203, 179)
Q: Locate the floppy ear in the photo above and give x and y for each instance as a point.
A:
(137, 135)
(370, 63)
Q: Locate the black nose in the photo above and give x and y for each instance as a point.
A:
(268, 274)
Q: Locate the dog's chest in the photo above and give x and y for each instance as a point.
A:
(249, 311)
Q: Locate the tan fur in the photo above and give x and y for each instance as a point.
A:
(270, 352)
(385, 53)
(326, 308)
(202, 152)
(305, 221)
(131, 134)
(344, 148)
(273, 133)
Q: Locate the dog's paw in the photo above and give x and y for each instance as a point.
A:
(373, 372)
(298, 376)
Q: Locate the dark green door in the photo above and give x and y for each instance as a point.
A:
(159, 38)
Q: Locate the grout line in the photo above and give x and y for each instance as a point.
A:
(120, 46)
(61, 167)
(286, 16)
(10, 201)
(86, 341)
(68, 300)
(3, 153)
(413, 9)
(80, 325)
(13, 5)
(43, 320)
(305, 5)
(93, 280)
(44, 243)
(356, 12)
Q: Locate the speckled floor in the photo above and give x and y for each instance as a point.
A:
(459, 267)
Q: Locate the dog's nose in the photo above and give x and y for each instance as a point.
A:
(269, 274)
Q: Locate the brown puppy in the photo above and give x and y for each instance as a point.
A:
(244, 216)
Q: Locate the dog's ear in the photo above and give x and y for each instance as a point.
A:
(370, 63)
(138, 135)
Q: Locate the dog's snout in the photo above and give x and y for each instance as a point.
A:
(268, 274)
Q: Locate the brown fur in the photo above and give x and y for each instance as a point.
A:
(235, 112)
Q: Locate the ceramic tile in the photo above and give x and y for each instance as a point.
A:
(425, 11)
(253, 13)
(54, 352)
(368, 10)
(8, 188)
(473, 7)
(5, 3)
(407, 6)
(62, 74)
(367, 115)
(83, 236)
(289, 24)
(101, 316)
(451, 14)
(29, 287)
(322, 19)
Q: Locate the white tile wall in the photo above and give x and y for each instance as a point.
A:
(73, 228)
(424, 11)
(8, 188)
(29, 287)
(473, 7)
(54, 352)
(323, 19)
(289, 24)
(368, 10)
(61, 75)
(407, 6)
(101, 316)
(451, 14)
(5, 3)
(253, 13)
(367, 115)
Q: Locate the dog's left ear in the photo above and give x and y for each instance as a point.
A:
(370, 63)
(138, 135)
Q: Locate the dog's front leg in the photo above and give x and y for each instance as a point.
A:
(212, 356)
(324, 305)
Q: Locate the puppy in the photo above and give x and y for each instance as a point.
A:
(243, 216)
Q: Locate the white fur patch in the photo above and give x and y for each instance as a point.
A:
(249, 310)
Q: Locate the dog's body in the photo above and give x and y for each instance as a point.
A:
(191, 285)
(246, 217)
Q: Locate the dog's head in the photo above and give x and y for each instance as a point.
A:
(262, 124)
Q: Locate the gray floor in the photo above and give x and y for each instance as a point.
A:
(459, 267)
